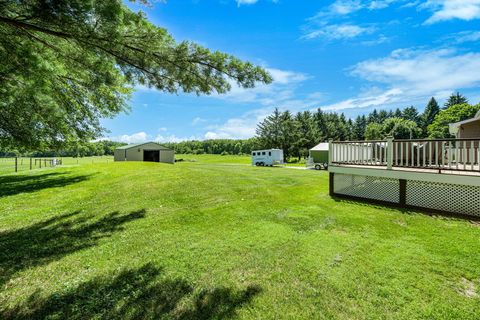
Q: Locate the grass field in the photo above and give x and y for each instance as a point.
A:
(7, 165)
(215, 239)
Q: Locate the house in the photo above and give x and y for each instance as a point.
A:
(149, 151)
(469, 128)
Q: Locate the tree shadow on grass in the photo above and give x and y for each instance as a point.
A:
(142, 293)
(14, 184)
(52, 239)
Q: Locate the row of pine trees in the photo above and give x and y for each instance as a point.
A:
(297, 133)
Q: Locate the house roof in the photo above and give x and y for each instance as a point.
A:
(454, 127)
(320, 147)
(135, 145)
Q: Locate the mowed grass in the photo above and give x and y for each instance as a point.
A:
(214, 240)
(7, 165)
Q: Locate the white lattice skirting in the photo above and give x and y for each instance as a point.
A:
(446, 197)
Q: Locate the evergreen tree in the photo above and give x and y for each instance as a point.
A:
(373, 117)
(349, 130)
(269, 131)
(288, 129)
(398, 113)
(337, 126)
(382, 116)
(455, 98)
(411, 113)
(359, 128)
(306, 135)
(320, 122)
(278, 130)
(429, 115)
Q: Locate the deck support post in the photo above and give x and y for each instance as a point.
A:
(330, 152)
(389, 153)
(403, 192)
(331, 184)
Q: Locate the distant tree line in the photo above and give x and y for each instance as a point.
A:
(106, 147)
(296, 133)
(85, 149)
(217, 146)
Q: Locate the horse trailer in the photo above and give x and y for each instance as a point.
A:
(268, 157)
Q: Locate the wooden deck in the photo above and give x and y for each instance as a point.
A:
(469, 172)
(431, 175)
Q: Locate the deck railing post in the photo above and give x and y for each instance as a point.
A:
(330, 151)
(389, 153)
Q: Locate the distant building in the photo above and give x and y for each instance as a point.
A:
(149, 151)
(319, 153)
(469, 128)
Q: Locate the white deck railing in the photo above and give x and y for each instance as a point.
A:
(441, 154)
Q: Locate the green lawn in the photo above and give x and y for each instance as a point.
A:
(211, 239)
(7, 165)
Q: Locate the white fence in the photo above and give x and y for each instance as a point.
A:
(441, 154)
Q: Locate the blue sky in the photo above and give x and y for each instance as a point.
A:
(347, 56)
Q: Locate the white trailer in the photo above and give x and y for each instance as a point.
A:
(269, 157)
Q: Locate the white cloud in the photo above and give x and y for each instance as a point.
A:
(233, 129)
(329, 22)
(142, 136)
(244, 126)
(247, 2)
(282, 88)
(240, 2)
(198, 120)
(369, 99)
(381, 39)
(237, 128)
(411, 4)
(343, 7)
(281, 93)
(412, 76)
(347, 7)
(338, 31)
(445, 10)
(418, 71)
(173, 138)
(464, 36)
(133, 138)
(162, 129)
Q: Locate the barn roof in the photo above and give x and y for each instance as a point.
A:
(320, 147)
(136, 145)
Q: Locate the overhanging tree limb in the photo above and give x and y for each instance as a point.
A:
(78, 60)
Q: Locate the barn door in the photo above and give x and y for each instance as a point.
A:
(151, 155)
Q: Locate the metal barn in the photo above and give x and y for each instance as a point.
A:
(149, 151)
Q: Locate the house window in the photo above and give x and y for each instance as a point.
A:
(269, 154)
(253, 153)
(263, 153)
